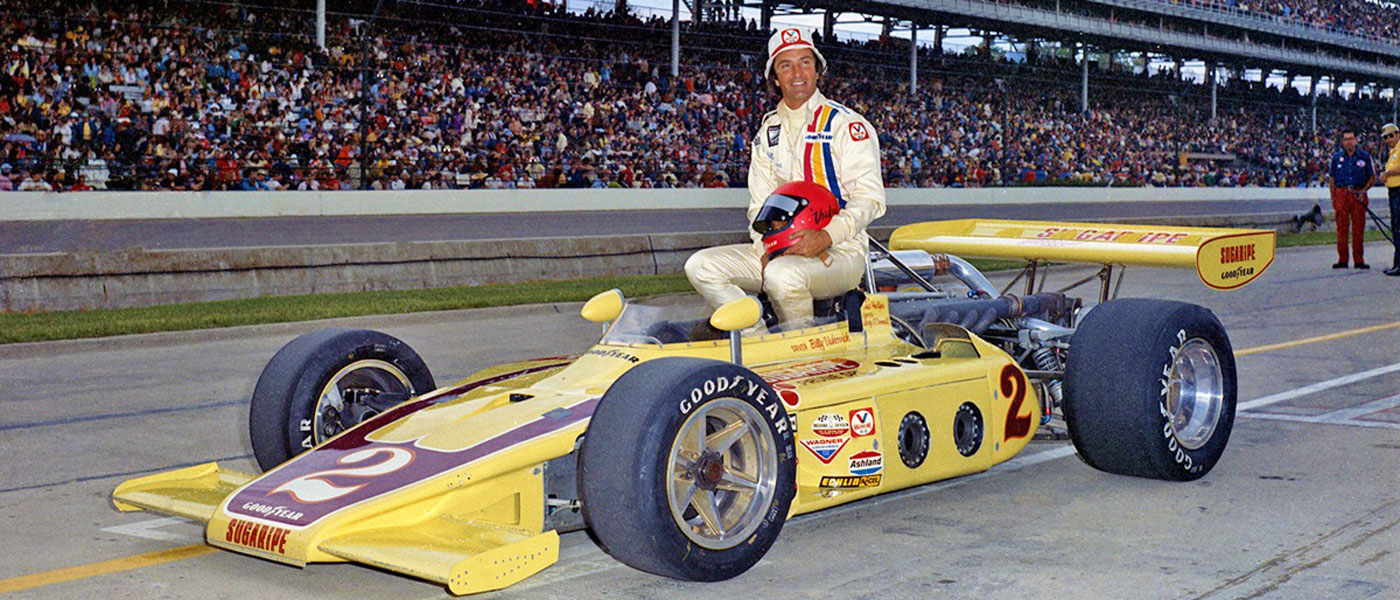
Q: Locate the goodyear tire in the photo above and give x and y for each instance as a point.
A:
(1150, 389)
(326, 381)
(687, 469)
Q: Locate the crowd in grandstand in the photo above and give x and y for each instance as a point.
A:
(1351, 17)
(221, 96)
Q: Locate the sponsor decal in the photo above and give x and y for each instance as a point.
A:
(859, 133)
(1233, 254)
(774, 132)
(825, 449)
(830, 425)
(257, 536)
(610, 353)
(850, 481)
(1111, 235)
(868, 462)
(808, 370)
(862, 422)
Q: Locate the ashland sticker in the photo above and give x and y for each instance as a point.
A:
(868, 462)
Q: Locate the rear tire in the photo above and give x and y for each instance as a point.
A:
(294, 404)
(1150, 389)
(676, 446)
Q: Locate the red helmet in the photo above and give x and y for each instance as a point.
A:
(793, 207)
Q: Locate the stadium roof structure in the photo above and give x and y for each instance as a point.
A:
(1179, 30)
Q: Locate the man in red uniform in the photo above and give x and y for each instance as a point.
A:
(1352, 173)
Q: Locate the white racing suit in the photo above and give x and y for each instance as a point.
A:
(823, 142)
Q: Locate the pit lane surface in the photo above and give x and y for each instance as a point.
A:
(1304, 504)
(30, 237)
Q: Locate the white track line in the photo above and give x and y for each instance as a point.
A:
(1317, 387)
(1324, 420)
(588, 551)
(148, 529)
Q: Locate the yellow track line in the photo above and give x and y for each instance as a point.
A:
(1320, 338)
(111, 566)
(164, 556)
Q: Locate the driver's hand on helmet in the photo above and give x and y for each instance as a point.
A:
(810, 242)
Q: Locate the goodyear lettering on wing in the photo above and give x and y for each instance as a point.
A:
(868, 462)
(257, 536)
(831, 425)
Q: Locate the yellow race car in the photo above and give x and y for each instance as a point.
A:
(685, 454)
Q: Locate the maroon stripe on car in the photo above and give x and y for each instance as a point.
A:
(351, 469)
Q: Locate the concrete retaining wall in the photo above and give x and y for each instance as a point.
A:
(136, 277)
(49, 206)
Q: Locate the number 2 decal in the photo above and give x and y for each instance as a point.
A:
(1013, 386)
(312, 488)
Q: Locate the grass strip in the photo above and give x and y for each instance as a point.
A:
(67, 325)
(1320, 238)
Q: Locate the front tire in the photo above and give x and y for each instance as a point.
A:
(1150, 389)
(687, 469)
(325, 382)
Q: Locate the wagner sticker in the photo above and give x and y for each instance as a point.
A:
(850, 481)
(862, 422)
(830, 425)
(825, 449)
(868, 462)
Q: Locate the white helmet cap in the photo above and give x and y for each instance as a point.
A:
(789, 38)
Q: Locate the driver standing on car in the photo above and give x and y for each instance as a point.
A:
(808, 138)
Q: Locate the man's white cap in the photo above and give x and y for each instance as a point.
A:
(789, 38)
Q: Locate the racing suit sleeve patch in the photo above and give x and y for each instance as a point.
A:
(858, 132)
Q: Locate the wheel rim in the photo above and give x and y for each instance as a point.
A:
(1195, 394)
(359, 391)
(722, 473)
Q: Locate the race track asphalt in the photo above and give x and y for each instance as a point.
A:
(30, 237)
(1305, 503)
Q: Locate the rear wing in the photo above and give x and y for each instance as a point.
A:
(1224, 259)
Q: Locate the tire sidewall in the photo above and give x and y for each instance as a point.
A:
(283, 407)
(636, 525)
(1165, 452)
(1120, 360)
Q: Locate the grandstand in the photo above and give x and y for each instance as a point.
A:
(225, 95)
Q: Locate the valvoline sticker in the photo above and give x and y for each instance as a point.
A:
(868, 462)
(862, 422)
